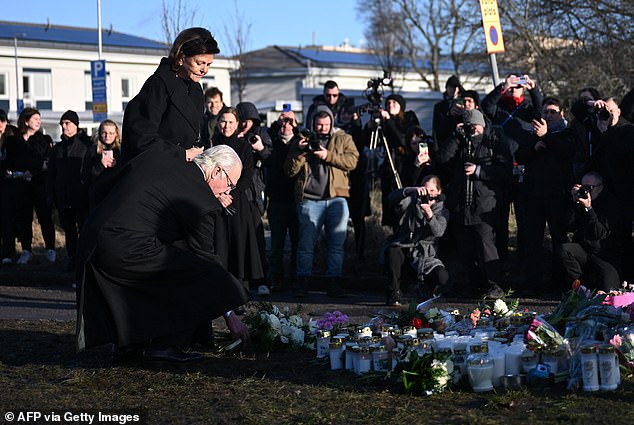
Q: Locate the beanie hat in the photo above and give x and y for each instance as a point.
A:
(473, 116)
(70, 116)
(398, 98)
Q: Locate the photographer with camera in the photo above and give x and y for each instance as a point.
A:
(396, 122)
(445, 116)
(320, 161)
(512, 112)
(422, 221)
(597, 242)
(547, 155)
(281, 210)
(481, 164)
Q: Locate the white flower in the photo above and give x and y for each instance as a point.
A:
(432, 313)
(284, 339)
(276, 326)
(312, 326)
(297, 336)
(500, 308)
(276, 310)
(296, 321)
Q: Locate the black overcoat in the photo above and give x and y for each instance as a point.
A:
(147, 265)
(166, 114)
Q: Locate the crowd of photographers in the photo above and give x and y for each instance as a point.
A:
(446, 198)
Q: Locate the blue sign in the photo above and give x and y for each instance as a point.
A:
(20, 107)
(99, 96)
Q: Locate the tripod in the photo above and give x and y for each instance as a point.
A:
(377, 137)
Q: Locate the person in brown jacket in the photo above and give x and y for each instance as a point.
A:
(320, 163)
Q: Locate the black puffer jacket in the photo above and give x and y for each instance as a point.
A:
(65, 167)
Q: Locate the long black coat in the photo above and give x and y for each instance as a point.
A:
(147, 264)
(166, 114)
(65, 166)
(236, 236)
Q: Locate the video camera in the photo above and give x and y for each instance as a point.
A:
(314, 139)
(374, 95)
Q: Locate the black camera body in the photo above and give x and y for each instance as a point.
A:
(314, 139)
(426, 199)
(584, 191)
(468, 129)
(603, 114)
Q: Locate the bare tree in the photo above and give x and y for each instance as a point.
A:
(382, 41)
(176, 18)
(570, 44)
(434, 35)
(238, 35)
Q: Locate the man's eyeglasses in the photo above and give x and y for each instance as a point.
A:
(231, 185)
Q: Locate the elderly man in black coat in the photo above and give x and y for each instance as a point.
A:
(148, 277)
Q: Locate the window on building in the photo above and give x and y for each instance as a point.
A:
(208, 81)
(36, 88)
(3, 84)
(125, 88)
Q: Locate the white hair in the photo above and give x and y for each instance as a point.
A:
(221, 156)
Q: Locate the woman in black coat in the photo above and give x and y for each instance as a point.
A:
(396, 122)
(104, 156)
(27, 155)
(167, 113)
(236, 233)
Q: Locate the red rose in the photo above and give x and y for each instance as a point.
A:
(417, 323)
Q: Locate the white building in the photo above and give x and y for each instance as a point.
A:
(53, 70)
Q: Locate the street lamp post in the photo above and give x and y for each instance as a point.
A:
(19, 104)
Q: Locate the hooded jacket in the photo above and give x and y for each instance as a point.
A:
(342, 157)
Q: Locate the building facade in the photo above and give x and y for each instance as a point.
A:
(48, 67)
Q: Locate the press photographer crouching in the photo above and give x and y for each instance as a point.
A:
(593, 254)
(320, 164)
(422, 219)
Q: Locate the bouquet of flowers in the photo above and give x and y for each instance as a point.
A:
(541, 336)
(575, 300)
(279, 330)
(623, 342)
(426, 374)
(332, 321)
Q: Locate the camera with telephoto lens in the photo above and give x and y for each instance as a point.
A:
(603, 114)
(253, 139)
(584, 191)
(314, 139)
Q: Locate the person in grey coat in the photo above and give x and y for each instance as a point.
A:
(422, 221)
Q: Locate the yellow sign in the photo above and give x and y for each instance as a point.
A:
(492, 27)
(100, 107)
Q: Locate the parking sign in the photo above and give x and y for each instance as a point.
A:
(99, 97)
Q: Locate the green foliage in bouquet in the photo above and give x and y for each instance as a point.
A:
(429, 373)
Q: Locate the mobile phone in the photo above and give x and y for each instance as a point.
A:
(521, 81)
(286, 107)
(107, 154)
(423, 148)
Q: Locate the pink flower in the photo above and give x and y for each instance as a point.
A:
(487, 311)
(616, 341)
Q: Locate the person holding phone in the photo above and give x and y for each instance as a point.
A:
(103, 157)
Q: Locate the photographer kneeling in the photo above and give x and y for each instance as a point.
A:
(422, 221)
(596, 243)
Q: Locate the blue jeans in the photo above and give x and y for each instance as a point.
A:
(313, 215)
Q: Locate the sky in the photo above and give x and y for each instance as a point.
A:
(281, 22)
